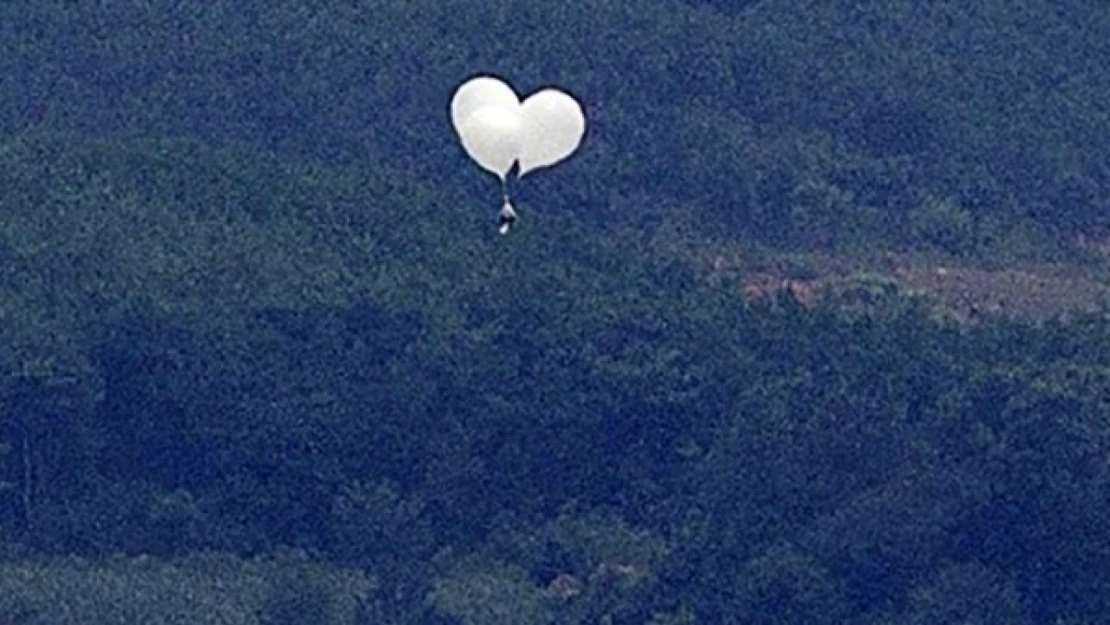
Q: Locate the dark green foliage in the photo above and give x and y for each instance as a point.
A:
(296, 598)
(988, 108)
(250, 300)
(17, 612)
(286, 587)
(964, 594)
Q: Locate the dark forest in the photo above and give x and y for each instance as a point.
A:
(812, 329)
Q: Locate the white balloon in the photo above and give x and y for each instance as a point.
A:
(478, 92)
(491, 135)
(554, 125)
(497, 130)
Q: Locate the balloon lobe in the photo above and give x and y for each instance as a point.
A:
(554, 125)
(491, 135)
(479, 92)
(497, 130)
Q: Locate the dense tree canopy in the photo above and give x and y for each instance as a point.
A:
(256, 325)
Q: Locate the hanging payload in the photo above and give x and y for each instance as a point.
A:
(506, 217)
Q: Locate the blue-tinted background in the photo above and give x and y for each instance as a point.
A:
(257, 328)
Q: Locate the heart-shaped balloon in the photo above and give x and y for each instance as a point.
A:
(498, 130)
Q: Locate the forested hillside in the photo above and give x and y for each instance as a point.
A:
(264, 359)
